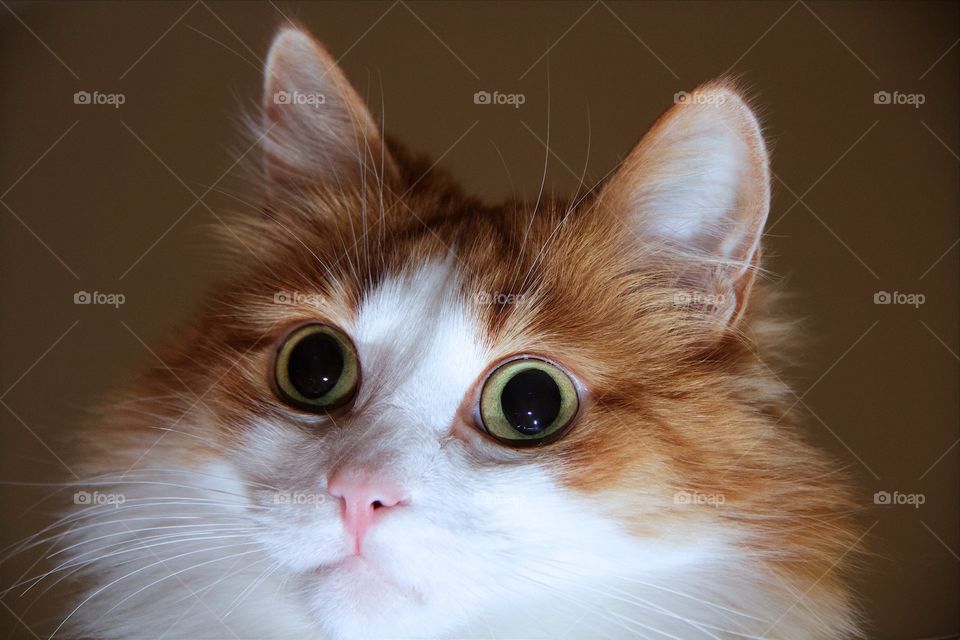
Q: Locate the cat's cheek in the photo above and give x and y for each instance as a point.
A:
(300, 530)
(299, 554)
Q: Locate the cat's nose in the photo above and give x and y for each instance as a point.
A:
(363, 501)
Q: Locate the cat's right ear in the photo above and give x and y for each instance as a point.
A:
(316, 130)
(697, 186)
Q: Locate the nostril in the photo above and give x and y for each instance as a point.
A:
(363, 493)
(387, 502)
(363, 501)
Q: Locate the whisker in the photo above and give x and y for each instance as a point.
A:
(178, 539)
(176, 573)
(144, 568)
(249, 588)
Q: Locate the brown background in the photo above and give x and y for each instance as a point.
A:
(866, 199)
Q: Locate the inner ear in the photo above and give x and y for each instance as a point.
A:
(697, 186)
(316, 129)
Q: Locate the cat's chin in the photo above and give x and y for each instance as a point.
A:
(369, 581)
(356, 598)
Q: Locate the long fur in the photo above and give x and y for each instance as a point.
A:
(682, 503)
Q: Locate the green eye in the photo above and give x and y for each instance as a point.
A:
(527, 401)
(317, 368)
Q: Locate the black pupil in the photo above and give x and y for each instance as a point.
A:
(530, 401)
(315, 365)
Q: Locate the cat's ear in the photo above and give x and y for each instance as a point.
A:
(316, 129)
(698, 184)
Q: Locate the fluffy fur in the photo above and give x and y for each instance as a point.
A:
(681, 504)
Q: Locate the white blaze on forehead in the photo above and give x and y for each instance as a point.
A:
(418, 344)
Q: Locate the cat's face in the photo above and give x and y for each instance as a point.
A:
(449, 411)
(398, 516)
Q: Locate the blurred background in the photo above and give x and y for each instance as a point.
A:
(120, 132)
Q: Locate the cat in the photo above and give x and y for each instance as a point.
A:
(415, 415)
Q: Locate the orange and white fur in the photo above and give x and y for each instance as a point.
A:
(680, 503)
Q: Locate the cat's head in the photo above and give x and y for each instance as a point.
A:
(463, 410)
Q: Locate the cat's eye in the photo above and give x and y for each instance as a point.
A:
(317, 368)
(528, 401)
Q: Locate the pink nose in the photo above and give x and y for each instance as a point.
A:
(363, 501)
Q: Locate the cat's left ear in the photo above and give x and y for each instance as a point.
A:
(698, 184)
(316, 129)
